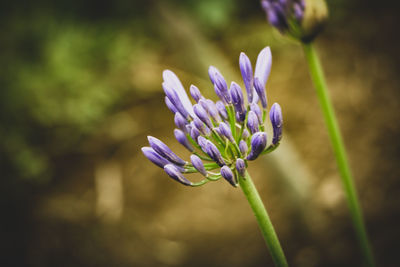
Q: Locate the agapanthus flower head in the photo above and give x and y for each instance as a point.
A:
(301, 19)
(221, 136)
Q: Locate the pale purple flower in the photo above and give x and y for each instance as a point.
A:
(241, 167)
(275, 115)
(227, 173)
(198, 164)
(165, 151)
(175, 174)
(182, 139)
(247, 75)
(252, 122)
(258, 143)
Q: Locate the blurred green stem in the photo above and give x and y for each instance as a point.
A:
(318, 79)
(263, 220)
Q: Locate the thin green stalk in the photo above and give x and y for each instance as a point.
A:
(267, 229)
(318, 79)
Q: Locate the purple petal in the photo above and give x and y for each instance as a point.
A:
(258, 143)
(227, 174)
(247, 75)
(241, 167)
(175, 174)
(252, 122)
(198, 164)
(275, 115)
(261, 92)
(182, 139)
(263, 65)
(164, 150)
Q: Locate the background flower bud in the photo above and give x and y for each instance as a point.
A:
(314, 19)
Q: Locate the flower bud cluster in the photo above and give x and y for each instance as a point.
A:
(301, 19)
(225, 134)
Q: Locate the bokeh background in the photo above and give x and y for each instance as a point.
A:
(80, 90)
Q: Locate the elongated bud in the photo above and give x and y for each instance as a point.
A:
(175, 174)
(195, 93)
(237, 100)
(181, 122)
(256, 109)
(260, 89)
(258, 143)
(201, 126)
(211, 109)
(202, 114)
(194, 132)
(220, 86)
(202, 143)
(214, 153)
(222, 110)
(182, 139)
(263, 65)
(241, 167)
(174, 99)
(243, 147)
(154, 157)
(165, 151)
(225, 131)
(227, 174)
(252, 122)
(247, 75)
(198, 164)
(170, 106)
(275, 115)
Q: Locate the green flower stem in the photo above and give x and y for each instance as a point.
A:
(267, 229)
(318, 79)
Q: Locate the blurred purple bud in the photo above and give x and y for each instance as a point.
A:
(181, 122)
(237, 100)
(256, 109)
(194, 132)
(263, 65)
(174, 99)
(227, 173)
(173, 81)
(241, 167)
(222, 110)
(247, 75)
(243, 147)
(195, 93)
(258, 143)
(225, 131)
(276, 13)
(170, 105)
(275, 115)
(200, 125)
(212, 110)
(198, 164)
(182, 139)
(164, 150)
(261, 92)
(214, 153)
(202, 114)
(220, 86)
(175, 174)
(252, 122)
(202, 143)
(154, 157)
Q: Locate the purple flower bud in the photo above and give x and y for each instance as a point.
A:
(164, 150)
(202, 143)
(220, 86)
(222, 110)
(276, 13)
(201, 126)
(170, 105)
(275, 115)
(173, 82)
(258, 143)
(202, 114)
(195, 92)
(225, 131)
(247, 75)
(263, 65)
(241, 167)
(237, 100)
(214, 153)
(243, 147)
(198, 164)
(174, 99)
(194, 132)
(212, 109)
(261, 92)
(182, 139)
(180, 122)
(256, 109)
(252, 122)
(154, 157)
(175, 174)
(227, 173)
(245, 134)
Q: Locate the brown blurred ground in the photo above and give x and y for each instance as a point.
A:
(106, 205)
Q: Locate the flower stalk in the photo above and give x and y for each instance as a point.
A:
(318, 79)
(264, 222)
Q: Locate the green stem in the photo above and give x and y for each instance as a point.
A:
(267, 229)
(318, 79)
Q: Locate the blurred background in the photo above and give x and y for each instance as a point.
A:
(80, 89)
